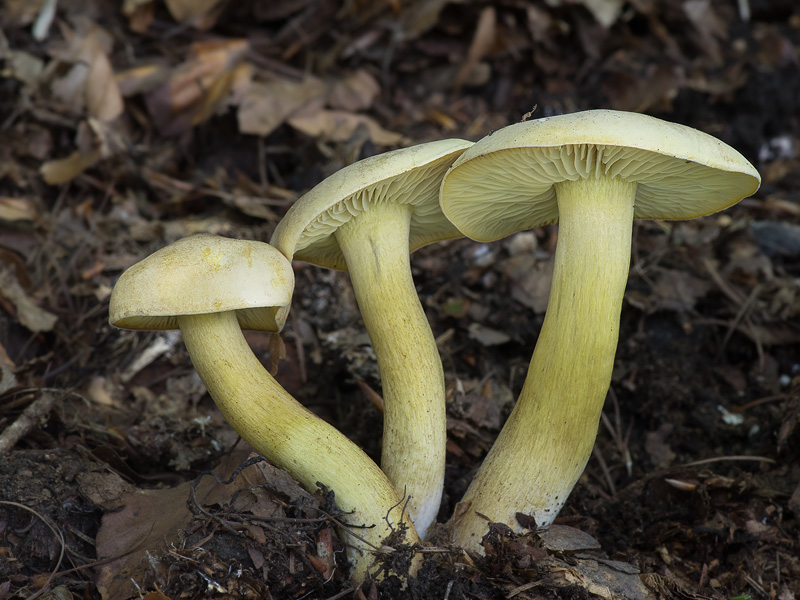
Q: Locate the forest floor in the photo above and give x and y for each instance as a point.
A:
(125, 129)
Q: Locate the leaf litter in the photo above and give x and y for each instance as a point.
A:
(128, 127)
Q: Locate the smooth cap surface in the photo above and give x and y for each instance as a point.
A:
(505, 182)
(409, 176)
(205, 274)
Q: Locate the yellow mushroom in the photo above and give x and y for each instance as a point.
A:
(593, 172)
(366, 218)
(211, 288)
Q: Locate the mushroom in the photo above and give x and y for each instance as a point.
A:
(593, 172)
(211, 288)
(366, 218)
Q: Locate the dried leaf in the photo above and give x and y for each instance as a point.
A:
(266, 106)
(223, 92)
(710, 27)
(17, 209)
(142, 79)
(419, 17)
(562, 538)
(530, 280)
(199, 13)
(198, 87)
(23, 66)
(140, 14)
(29, 314)
(487, 336)
(482, 41)
(606, 12)
(151, 519)
(90, 82)
(62, 170)
(678, 290)
(340, 126)
(657, 448)
(355, 92)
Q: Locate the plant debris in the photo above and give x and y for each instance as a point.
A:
(127, 126)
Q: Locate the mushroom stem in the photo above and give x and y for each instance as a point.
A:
(376, 248)
(291, 436)
(548, 438)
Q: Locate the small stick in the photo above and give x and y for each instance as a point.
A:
(722, 458)
(37, 411)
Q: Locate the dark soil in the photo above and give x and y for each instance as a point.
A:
(125, 131)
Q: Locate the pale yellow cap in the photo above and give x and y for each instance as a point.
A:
(205, 274)
(407, 176)
(504, 183)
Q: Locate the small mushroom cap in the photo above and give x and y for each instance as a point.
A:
(504, 183)
(205, 274)
(408, 176)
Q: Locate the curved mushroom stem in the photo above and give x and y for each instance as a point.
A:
(548, 438)
(376, 248)
(291, 436)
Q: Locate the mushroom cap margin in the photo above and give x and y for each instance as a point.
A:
(681, 172)
(205, 274)
(408, 175)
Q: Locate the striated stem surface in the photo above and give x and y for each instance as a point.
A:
(290, 436)
(376, 247)
(548, 438)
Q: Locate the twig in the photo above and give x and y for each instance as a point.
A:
(606, 473)
(745, 308)
(30, 418)
(759, 401)
(733, 294)
(725, 458)
(301, 351)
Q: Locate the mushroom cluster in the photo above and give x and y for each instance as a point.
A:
(592, 172)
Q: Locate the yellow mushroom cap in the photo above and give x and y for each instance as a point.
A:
(504, 183)
(407, 176)
(205, 274)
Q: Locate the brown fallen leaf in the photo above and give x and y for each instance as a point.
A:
(486, 336)
(657, 447)
(150, 520)
(201, 14)
(482, 41)
(95, 140)
(17, 209)
(678, 290)
(141, 79)
(605, 12)
(89, 84)
(341, 126)
(199, 86)
(266, 106)
(23, 66)
(140, 14)
(562, 538)
(30, 316)
(62, 170)
(355, 92)
(530, 280)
